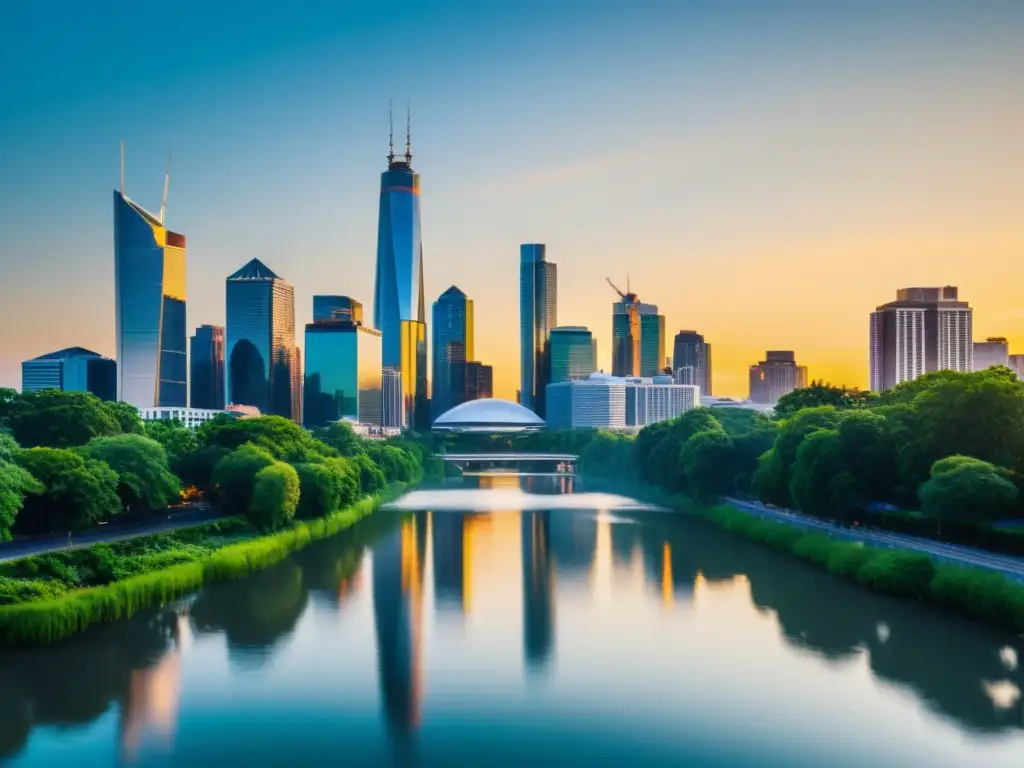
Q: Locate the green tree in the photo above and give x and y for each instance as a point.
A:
(319, 490)
(868, 454)
(820, 483)
(397, 464)
(178, 440)
(371, 477)
(8, 398)
(662, 464)
(708, 463)
(820, 393)
(145, 481)
(127, 417)
(774, 474)
(275, 497)
(57, 419)
(341, 437)
(15, 484)
(975, 492)
(80, 491)
(235, 475)
(282, 438)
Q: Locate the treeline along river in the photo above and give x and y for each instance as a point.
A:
(498, 628)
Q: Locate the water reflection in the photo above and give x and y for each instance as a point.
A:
(389, 575)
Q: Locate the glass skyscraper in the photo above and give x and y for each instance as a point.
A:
(149, 308)
(691, 351)
(453, 349)
(72, 370)
(572, 353)
(652, 341)
(343, 377)
(260, 341)
(398, 305)
(337, 308)
(206, 350)
(538, 314)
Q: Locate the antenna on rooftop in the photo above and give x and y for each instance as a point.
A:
(408, 132)
(167, 186)
(391, 131)
(122, 167)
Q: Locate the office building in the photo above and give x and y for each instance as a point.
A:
(572, 353)
(652, 340)
(538, 314)
(1016, 364)
(344, 374)
(206, 350)
(296, 371)
(149, 305)
(690, 350)
(626, 337)
(192, 417)
(260, 341)
(453, 348)
(479, 380)
(995, 350)
(728, 402)
(775, 376)
(337, 308)
(925, 329)
(596, 401)
(658, 398)
(394, 398)
(687, 374)
(398, 305)
(74, 369)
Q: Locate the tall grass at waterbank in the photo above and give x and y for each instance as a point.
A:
(48, 620)
(973, 592)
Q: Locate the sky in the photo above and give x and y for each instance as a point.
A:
(765, 172)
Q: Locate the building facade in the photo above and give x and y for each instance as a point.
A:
(626, 337)
(398, 304)
(995, 350)
(394, 398)
(74, 369)
(538, 314)
(1016, 364)
(597, 401)
(190, 417)
(658, 398)
(690, 350)
(572, 353)
(206, 385)
(479, 380)
(337, 308)
(343, 375)
(453, 349)
(775, 376)
(260, 349)
(149, 308)
(652, 341)
(925, 329)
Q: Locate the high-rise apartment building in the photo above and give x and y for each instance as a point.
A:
(538, 314)
(995, 350)
(652, 340)
(337, 308)
(925, 329)
(596, 401)
(650, 399)
(479, 380)
(1016, 364)
(572, 353)
(453, 349)
(343, 374)
(690, 350)
(775, 376)
(206, 385)
(262, 365)
(394, 398)
(626, 336)
(398, 304)
(74, 369)
(149, 306)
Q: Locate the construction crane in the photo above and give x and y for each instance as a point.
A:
(628, 296)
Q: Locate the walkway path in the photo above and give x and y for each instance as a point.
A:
(1008, 565)
(19, 548)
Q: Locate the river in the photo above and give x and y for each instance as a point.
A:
(516, 623)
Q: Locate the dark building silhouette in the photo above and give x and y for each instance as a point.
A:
(74, 369)
(538, 314)
(479, 380)
(538, 590)
(691, 351)
(206, 348)
(775, 376)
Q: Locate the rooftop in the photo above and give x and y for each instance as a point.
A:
(254, 270)
(488, 415)
(69, 352)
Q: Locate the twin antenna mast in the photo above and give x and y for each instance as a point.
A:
(391, 133)
(167, 182)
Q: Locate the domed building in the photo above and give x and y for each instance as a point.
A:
(488, 415)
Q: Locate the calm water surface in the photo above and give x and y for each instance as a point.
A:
(532, 631)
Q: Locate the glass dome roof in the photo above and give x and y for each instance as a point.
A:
(488, 415)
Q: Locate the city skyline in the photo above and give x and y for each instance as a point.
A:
(909, 172)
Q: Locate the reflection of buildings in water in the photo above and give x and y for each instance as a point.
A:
(448, 542)
(573, 540)
(538, 589)
(671, 571)
(625, 544)
(153, 698)
(398, 561)
(500, 480)
(349, 588)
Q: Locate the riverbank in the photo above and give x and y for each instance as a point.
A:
(39, 613)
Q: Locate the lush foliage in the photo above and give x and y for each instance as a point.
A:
(58, 419)
(79, 491)
(144, 478)
(275, 496)
(820, 393)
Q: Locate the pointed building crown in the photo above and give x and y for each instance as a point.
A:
(254, 270)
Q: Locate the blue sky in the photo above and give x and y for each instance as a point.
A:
(724, 154)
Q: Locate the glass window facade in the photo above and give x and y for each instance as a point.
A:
(337, 308)
(207, 366)
(343, 377)
(260, 341)
(149, 298)
(572, 354)
(73, 370)
(652, 342)
(691, 350)
(538, 314)
(453, 349)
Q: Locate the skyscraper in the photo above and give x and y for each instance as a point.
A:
(652, 340)
(398, 306)
(626, 336)
(572, 353)
(925, 329)
(344, 376)
(453, 348)
(479, 380)
(149, 305)
(538, 314)
(72, 370)
(994, 350)
(206, 349)
(260, 341)
(337, 308)
(775, 376)
(691, 350)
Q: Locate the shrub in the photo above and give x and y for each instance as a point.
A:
(846, 558)
(815, 548)
(274, 497)
(906, 574)
(983, 595)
